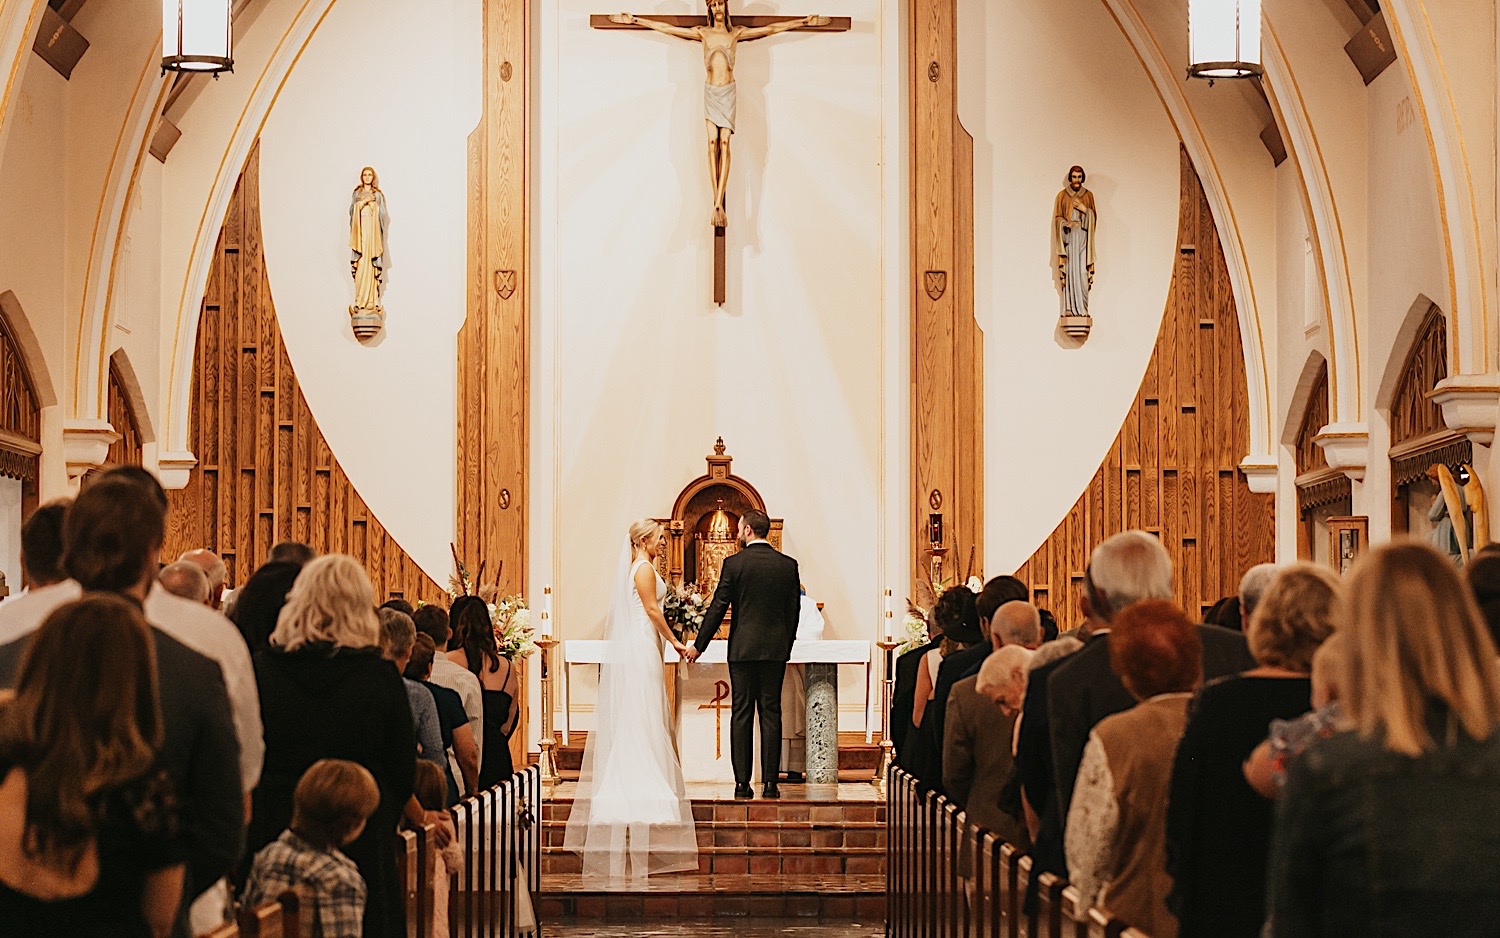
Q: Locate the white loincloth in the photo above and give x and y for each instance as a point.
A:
(719, 105)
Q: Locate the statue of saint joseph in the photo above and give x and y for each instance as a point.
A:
(720, 38)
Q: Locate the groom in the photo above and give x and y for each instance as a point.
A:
(763, 586)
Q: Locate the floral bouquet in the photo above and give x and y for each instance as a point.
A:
(913, 633)
(684, 609)
(512, 621)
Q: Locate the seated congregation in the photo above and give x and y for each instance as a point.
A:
(1331, 770)
(163, 765)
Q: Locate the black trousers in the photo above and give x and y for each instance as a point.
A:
(755, 685)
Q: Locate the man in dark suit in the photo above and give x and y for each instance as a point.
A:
(763, 587)
(1067, 697)
(113, 532)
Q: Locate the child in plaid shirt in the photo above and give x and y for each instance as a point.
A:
(333, 800)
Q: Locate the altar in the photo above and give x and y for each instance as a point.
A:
(699, 697)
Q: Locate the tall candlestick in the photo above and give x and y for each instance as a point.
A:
(890, 617)
(547, 612)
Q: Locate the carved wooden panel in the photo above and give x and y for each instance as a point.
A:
(948, 345)
(127, 450)
(1413, 414)
(265, 473)
(1173, 470)
(1310, 456)
(20, 413)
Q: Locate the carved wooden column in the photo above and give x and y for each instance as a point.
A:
(493, 370)
(947, 344)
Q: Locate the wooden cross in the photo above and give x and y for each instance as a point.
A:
(705, 29)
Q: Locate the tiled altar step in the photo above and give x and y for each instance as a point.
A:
(768, 835)
(757, 861)
(566, 898)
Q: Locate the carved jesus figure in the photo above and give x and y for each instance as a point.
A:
(720, 39)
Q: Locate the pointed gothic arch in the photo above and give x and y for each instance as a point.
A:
(1419, 436)
(1322, 491)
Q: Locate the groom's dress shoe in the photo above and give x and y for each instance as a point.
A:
(743, 791)
(771, 791)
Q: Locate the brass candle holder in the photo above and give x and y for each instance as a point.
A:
(547, 760)
(887, 745)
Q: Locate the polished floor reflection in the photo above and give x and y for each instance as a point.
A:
(732, 928)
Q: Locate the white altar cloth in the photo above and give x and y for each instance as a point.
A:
(820, 652)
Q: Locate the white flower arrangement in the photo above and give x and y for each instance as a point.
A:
(511, 619)
(975, 585)
(913, 632)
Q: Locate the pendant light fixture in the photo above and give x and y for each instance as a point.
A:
(1224, 39)
(197, 36)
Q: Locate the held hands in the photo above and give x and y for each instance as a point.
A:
(689, 653)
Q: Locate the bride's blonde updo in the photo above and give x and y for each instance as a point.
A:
(643, 531)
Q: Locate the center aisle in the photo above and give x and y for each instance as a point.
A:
(816, 856)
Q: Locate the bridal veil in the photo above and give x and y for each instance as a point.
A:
(631, 816)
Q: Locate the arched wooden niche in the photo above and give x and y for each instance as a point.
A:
(697, 539)
(1419, 437)
(1322, 492)
(20, 418)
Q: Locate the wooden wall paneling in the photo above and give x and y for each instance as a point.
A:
(1413, 413)
(1173, 469)
(128, 449)
(265, 472)
(20, 420)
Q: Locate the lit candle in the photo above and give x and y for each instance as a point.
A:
(890, 618)
(546, 612)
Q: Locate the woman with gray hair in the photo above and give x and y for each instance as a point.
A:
(326, 693)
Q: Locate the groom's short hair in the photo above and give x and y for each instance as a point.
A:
(757, 522)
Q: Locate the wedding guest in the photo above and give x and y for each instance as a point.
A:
(1116, 829)
(397, 636)
(398, 604)
(1265, 770)
(978, 745)
(331, 805)
(1218, 827)
(433, 621)
(1483, 576)
(443, 863)
(957, 616)
(1226, 614)
(1253, 587)
(481, 656)
(185, 581)
(326, 693)
(1016, 622)
(1384, 829)
(211, 747)
(292, 552)
(259, 602)
(995, 594)
(88, 838)
(42, 546)
(213, 568)
(458, 736)
(904, 692)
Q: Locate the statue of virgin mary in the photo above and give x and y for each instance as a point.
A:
(368, 222)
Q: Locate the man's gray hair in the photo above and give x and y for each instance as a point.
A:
(1018, 623)
(209, 562)
(1128, 568)
(1253, 585)
(397, 632)
(186, 579)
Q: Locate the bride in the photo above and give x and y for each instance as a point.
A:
(631, 816)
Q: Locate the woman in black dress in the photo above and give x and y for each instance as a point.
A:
(497, 680)
(326, 693)
(87, 823)
(1218, 827)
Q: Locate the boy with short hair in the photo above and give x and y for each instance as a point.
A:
(331, 804)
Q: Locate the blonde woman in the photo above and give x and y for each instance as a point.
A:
(1218, 827)
(1389, 829)
(631, 817)
(326, 693)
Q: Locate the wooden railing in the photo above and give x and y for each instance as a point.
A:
(500, 834)
(947, 878)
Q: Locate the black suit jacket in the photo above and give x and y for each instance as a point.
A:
(200, 752)
(765, 589)
(1084, 689)
(955, 667)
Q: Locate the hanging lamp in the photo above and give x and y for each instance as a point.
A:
(197, 36)
(1224, 39)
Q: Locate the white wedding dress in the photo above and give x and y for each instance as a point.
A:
(631, 816)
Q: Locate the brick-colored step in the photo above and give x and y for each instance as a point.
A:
(688, 896)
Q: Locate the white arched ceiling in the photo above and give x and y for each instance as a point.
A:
(1164, 75)
(1472, 293)
(18, 26)
(1328, 232)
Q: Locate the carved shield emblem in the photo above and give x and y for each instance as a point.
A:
(505, 283)
(937, 284)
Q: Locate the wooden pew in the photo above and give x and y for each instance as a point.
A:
(1101, 925)
(1049, 906)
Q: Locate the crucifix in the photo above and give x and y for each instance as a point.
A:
(721, 37)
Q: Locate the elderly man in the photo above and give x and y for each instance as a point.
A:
(213, 568)
(188, 581)
(1253, 586)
